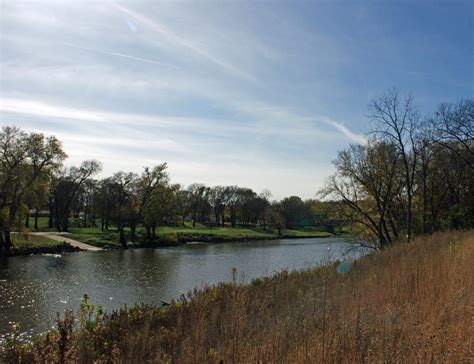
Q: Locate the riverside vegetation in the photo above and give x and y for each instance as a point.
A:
(26, 243)
(407, 302)
(411, 176)
(411, 302)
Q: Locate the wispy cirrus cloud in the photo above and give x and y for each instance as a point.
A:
(186, 43)
(226, 92)
(115, 54)
(354, 137)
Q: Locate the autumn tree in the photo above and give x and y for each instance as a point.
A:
(25, 159)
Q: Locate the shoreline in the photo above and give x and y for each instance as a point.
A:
(180, 240)
(314, 312)
(58, 249)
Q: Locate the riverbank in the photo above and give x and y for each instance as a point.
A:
(176, 235)
(409, 303)
(78, 239)
(28, 244)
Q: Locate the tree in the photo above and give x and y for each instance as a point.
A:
(197, 193)
(396, 122)
(367, 180)
(146, 188)
(294, 210)
(276, 217)
(182, 202)
(25, 159)
(217, 200)
(161, 209)
(123, 184)
(247, 206)
(105, 200)
(68, 188)
(453, 128)
(264, 205)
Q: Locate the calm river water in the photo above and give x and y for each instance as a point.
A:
(34, 288)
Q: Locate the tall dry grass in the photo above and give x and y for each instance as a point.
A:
(409, 303)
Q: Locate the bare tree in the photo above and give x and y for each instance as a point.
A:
(396, 121)
(367, 180)
(453, 128)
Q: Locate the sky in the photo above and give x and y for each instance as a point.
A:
(260, 94)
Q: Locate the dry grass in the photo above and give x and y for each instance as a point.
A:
(410, 303)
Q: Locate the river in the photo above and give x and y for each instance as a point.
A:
(34, 288)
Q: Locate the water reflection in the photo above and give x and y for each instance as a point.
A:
(34, 288)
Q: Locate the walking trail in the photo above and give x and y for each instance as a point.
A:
(63, 238)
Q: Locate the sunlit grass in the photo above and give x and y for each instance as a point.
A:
(26, 243)
(410, 303)
(176, 234)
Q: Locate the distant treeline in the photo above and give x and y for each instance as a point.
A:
(35, 184)
(414, 175)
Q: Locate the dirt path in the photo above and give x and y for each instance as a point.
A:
(63, 238)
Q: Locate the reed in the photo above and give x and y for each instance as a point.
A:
(412, 302)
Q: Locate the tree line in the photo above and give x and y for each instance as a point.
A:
(34, 183)
(414, 175)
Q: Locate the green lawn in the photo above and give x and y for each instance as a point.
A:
(95, 236)
(24, 244)
(306, 233)
(175, 234)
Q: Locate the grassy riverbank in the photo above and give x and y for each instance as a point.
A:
(173, 235)
(26, 244)
(178, 235)
(410, 303)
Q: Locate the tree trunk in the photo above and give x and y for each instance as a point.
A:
(148, 232)
(133, 235)
(36, 219)
(122, 238)
(57, 218)
(27, 220)
(409, 216)
(2, 244)
(51, 214)
(7, 241)
(85, 217)
(65, 226)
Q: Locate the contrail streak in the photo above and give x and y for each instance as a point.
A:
(116, 54)
(185, 43)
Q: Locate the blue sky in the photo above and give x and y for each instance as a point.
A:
(258, 94)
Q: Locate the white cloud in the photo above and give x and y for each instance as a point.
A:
(357, 138)
(116, 54)
(132, 87)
